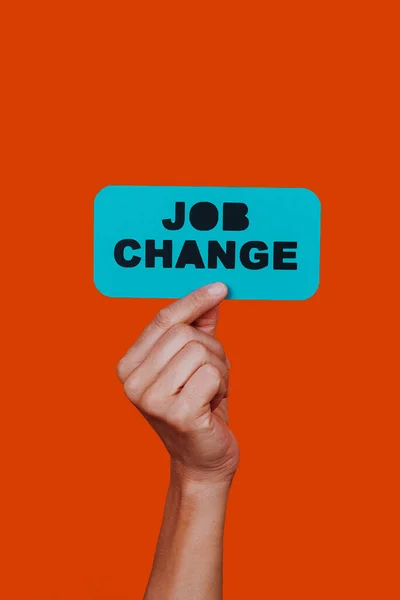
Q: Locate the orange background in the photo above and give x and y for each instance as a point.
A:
(242, 94)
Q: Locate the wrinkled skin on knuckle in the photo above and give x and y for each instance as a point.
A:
(163, 318)
(196, 298)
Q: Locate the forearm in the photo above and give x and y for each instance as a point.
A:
(188, 559)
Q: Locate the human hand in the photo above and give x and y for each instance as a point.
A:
(176, 374)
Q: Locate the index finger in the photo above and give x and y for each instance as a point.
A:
(185, 310)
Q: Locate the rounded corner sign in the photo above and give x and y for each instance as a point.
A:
(163, 242)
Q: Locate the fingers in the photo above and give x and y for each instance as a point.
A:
(185, 310)
(203, 392)
(173, 360)
(143, 386)
(183, 365)
(164, 349)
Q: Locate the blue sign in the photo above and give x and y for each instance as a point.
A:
(163, 242)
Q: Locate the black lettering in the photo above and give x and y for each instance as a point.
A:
(165, 253)
(119, 255)
(190, 255)
(227, 257)
(234, 216)
(280, 255)
(203, 216)
(260, 260)
(179, 218)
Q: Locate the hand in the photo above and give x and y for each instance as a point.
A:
(177, 374)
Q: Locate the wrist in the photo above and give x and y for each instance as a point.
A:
(197, 500)
(193, 482)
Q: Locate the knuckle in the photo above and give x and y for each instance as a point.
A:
(163, 318)
(126, 365)
(148, 397)
(132, 388)
(197, 349)
(150, 403)
(182, 330)
(196, 298)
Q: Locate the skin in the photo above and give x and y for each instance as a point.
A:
(177, 375)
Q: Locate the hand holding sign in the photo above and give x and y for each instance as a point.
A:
(176, 374)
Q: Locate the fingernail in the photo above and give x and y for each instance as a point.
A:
(217, 289)
(228, 362)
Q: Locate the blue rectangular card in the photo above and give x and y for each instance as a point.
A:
(163, 242)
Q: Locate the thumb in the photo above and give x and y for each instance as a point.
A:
(208, 321)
